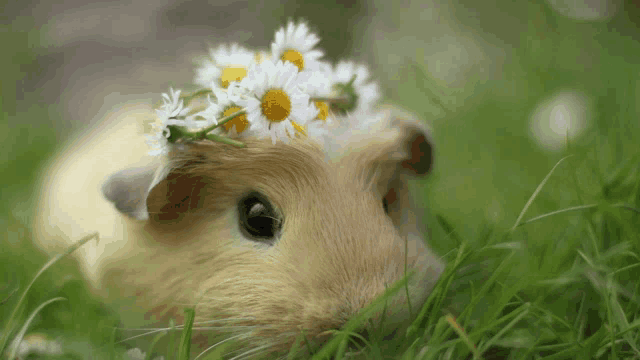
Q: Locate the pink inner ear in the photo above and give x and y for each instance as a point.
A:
(391, 196)
(420, 161)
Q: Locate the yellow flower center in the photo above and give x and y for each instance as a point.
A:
(276, 105)
(230, 74)
(295, 57)
(298, 128)
(323, 110)
(239, 121)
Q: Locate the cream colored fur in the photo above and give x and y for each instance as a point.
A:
(337, 252)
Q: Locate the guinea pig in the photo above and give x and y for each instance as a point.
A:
(265, 240)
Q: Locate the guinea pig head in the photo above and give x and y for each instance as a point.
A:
(269, 240)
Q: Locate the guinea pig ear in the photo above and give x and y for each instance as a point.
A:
(176, 192)
(415, 142)
(128, 189)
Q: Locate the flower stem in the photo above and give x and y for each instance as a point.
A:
(180, 132)
(348, 92)
(223, 121)
(224, 140)
(353, 79)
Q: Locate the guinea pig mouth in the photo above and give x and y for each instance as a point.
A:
(358, 343)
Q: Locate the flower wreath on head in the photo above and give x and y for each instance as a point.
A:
(286, 92)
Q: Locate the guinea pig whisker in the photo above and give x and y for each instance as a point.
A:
(179, 327)
(258, 354)
(225, 320)
(139, 329)
(216, 344)
(250, 352)
(140, 335)
(227, 328)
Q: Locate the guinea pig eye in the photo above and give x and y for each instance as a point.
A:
(258, 219)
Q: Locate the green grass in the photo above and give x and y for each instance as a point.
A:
(552, 274)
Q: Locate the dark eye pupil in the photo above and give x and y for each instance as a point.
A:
(258, 219)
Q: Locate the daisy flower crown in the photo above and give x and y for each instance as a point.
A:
(283, 93)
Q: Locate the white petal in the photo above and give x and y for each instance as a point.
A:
(313, 55)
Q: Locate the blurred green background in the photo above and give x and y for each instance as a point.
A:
(504, 85)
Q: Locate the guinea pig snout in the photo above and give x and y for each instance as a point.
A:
(360, 275)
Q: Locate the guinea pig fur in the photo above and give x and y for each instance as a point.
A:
(173, 230)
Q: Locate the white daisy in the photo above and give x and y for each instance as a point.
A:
(295, 44)
(320, 130)
(260, 55)
(318, 85)
(172, 107)
(354, 128)
(157, 140)
(209, 114)
(225, 105)
(237, 91)
(318, 82)
(276, 101)
(367, 91)
(173, 112)
(227, 63)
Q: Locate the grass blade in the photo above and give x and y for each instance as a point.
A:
(461, 333)
(359, 318)
(6, 333)
(524, 311)
(153, 344)
(184, 350)
(172, 331)
(22, 332)
(535, 193)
